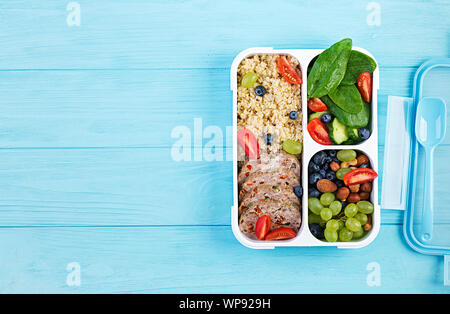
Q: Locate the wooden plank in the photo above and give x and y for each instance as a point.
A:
(73, 187)
(128, 108)
(204, 260)
(199, 34)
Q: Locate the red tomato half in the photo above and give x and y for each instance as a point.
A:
(281, 234)
(288, 71)
(319, 132)
(262, 227)
(249, 143)
(359, 176)
(316, 105)
(364, 84)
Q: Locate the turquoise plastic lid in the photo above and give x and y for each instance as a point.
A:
(404, 164)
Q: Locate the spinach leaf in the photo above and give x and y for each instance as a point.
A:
(348, 98)
(358, 63)
(329, 69)
(358, 120)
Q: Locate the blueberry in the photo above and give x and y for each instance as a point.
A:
(332, 153)
(326, 118)
(327, 160)
(330, 175)
(298, 190)
(316, 231)
(313, 167)
(269, 139)
(339, 183)
(364, 133)
(313, 192)
(260, 90)
(322, 173)
(364, 166)
(326, 166)
(319, 158)
(313, 178)
(293, 115)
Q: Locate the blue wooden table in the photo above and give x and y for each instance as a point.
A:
(90, 197)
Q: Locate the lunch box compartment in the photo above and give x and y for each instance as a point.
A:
(310, 148)
(373, 198)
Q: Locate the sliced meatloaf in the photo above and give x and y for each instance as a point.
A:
(280, 176)
(282, 214)
(269, 163)
(267, 191)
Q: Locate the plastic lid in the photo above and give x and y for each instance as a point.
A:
(404, 164)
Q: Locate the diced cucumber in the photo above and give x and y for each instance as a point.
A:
(353, 133)
(316, 115)
(338, 132)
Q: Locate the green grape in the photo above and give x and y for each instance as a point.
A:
(345, 235)
(351, 210)
(326, 214)
(314, 219)
(335, 207)
(292, 147)
(314, 205)
(341, 224)
(341, 172)
(249, 79)
(327, 198)
(353, 224)
(333, 225)
(358, 234)
(346, 155)
(362, 218)
(365, 207)
(330, 236)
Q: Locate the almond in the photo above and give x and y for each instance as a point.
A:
(342, 193)
(353, 198)
(366, 187)
(364, 196)
(325, 186)
(362, 159)
(334, 166)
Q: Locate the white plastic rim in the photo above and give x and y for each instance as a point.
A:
(304, 237)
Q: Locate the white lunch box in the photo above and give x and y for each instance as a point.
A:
(310, 148)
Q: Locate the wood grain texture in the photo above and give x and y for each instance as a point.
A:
(204, 260)
(208, 34)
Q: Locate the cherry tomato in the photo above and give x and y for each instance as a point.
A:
(364, 84)
(359, 176)
(288, 71)
(316, 105)
(249, 143)
(280, 234)
(262, 227)
(319, 131)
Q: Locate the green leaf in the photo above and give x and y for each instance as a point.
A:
(329, 69)
(357, 63)
(348, 98)
(359, 120)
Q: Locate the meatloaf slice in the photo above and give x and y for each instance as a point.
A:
(282, 214)
(267, 191)
(280, 176)
(269, 163)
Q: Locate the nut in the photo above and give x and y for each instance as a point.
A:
(362, 159)
(334, 166)
(354, 188)
(364, 196)
(347, 164)
(342, 193)
(366, 187)
(367, 227)
(353, 198)
(325, 185)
